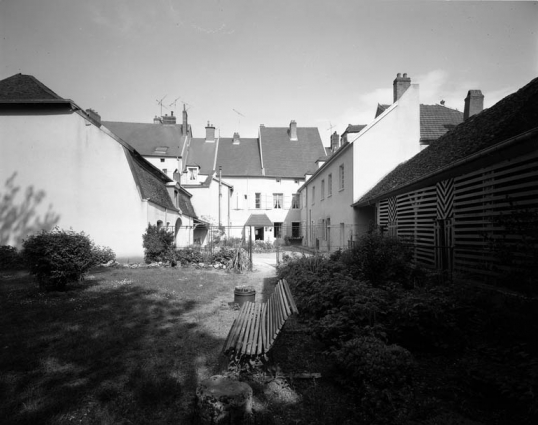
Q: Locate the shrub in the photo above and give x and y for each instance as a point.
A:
(158, 244)
(10, 258)
(58, 257)
(380, 375)
(379, 260)
(103, 254)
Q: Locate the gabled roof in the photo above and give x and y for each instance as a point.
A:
(239, 160)
(436, 120)
(202, 154)
(512, 116)
(380, 109)
(285, 158)
(21, 87)
(148, 138)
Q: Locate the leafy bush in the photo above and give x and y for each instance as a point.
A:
(380, 375)
(58, 257)
(10, 258)
(158, 244)
(103, 254)
(379, 260)
(191, 255)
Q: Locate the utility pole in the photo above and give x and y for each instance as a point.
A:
(220, 194)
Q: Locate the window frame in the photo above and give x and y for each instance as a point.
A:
(278, 201)
(341, 177)
(329, 185)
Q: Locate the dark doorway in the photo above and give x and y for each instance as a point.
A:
(258, 233)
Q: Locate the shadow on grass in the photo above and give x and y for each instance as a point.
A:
(105, 352)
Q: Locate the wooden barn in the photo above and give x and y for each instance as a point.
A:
(468, 203)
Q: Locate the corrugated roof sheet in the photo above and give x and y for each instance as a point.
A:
(436, 120)
(239, 160)
(202, 154)
(25, 87)
(146, 138)
(513, 115)
(285, 158)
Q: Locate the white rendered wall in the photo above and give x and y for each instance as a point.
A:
(391, 139)
(65, 171)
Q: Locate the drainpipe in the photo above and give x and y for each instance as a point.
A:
(220, 193)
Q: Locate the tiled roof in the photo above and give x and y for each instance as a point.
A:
(285, 158)
(239, 160)
(151, 182)
(202, 154)
(25, 87)
(184, 201)
(436, 120)
(148, 138)
(258, 220)
(513, 115)
(380, 109)
(354, 128)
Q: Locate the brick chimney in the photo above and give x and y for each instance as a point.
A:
(236, 140)
(169, 119)
(184, 124)
(293, 130)
(400, 85)
(474, 103)
(334, 142)
(209, 132)
(94, 115)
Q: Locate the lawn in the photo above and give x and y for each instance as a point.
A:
(127, 346)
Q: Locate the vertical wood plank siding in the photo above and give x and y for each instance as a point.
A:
(461, 214)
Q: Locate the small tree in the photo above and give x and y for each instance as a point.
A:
(158, 244)
(58, 257)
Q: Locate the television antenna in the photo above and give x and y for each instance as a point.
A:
(331, 126)
(160, 103)
(238, 118)
(174, 102)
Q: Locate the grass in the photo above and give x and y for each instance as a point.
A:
(125, 346)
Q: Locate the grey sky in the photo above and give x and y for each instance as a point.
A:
(318, 62)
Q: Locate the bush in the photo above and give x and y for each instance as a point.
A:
(158, 244)
(58, 257)
(380, 375)
(10, 258)
(103, 254)
(379, 260)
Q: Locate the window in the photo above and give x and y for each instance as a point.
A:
(193, 173)
(322, 190)
(258, 200)
(278, 199)
(341, 177)
(330, 185)
(295, 229)
(165, 170)
(313, 194)
(162, 159)
(278, 180)
(295, 201)
(278, 230)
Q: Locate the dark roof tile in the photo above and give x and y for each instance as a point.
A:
(202, 154)
(436, 120)
(239, 160)
(25, 87)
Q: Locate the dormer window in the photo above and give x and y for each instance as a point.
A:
(193, 173)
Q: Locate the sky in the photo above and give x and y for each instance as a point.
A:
(242, 63)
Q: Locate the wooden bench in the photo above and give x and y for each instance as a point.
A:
(254, 331)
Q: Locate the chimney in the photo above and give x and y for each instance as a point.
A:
(293, 130)
(94, 115)
(184, 125)
(157, 120)
(474, 103)
(236, 138)
(209, 132)
(400, 85)
(334, 141)
(169, 119)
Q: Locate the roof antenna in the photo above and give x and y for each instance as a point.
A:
(174, 102)
(238, 119)
(160, 102)
(331, 126)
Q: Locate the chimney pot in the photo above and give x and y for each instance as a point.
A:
(400, 85)
(398, 75)
(236, 139)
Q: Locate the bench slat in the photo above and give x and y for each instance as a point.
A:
(256, 329)
(284, 300)
(290, 296)
(237, 344)
(261, 338)
(236, 328)
(242, 346)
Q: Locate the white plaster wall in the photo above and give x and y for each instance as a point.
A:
(169, 164)
(391, 139)
(206, 202)
(241, 209)
(336, 207)
(81, 175)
